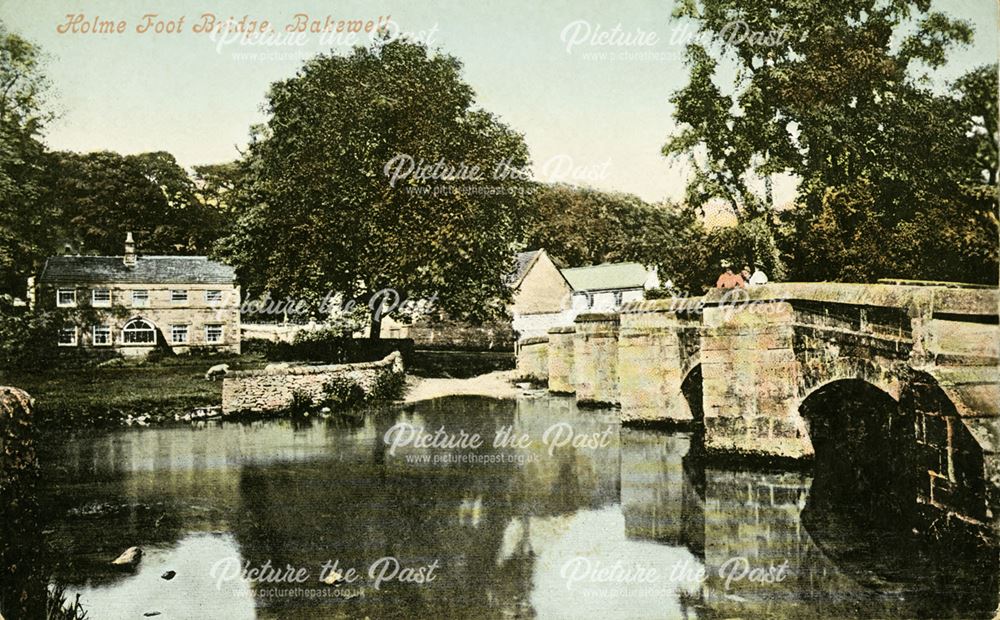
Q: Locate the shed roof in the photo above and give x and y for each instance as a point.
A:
(609, 276)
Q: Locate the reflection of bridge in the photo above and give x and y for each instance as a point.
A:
(757, 365)
(772, 518)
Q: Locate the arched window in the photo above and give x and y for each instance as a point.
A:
(139, 331)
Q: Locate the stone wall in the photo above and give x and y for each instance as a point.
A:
(277, 389)
(595, 358)
(561, 375)
(452, 335)
(533, 360)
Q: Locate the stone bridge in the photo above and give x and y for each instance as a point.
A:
(775, 371)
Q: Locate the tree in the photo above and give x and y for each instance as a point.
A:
(103, 195)
(324, 208)
(828, 95)
(583, 226)
(24, 219)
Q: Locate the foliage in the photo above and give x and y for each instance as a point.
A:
(60, 607)
(23, 115)
(582, 226)
(893, 176)
(26, 338)
(329, 347)
(342, 393)
(103, 195)
(319, 214)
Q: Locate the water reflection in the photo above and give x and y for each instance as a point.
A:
(639, 527)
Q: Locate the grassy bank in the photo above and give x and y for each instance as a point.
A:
(94, 395)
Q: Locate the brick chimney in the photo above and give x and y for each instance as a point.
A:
(129, 250)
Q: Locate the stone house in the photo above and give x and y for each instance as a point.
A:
(546, 296)
(134, 304)
(542, 297)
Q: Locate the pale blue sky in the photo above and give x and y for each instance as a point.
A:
(176, 92)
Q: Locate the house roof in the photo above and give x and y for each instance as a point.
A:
(147, 270)
(609, 276)
(522, 265)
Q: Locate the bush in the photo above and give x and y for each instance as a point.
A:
(342, 393)
(26, 338)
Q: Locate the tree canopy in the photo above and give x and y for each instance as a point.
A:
(100, 196)
(583, 226)
(322, 213)
(894, 176)
(24, 112)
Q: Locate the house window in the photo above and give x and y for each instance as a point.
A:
(102, 335)
(100, 298)
(618, 298)
(213, 333)
(178, 296)
(590, 300)
(67, 337)
(139, 331)
(66, 297)
(213, 297)
(179, 334)
(140, 298)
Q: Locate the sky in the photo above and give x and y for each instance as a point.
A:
(591, 114)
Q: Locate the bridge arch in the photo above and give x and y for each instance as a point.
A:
(860, 437)
(818, 374)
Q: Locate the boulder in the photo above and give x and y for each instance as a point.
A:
(129, 558)
(217, 371)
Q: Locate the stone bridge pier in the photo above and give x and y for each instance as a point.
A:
(658, 348)
(913, 371)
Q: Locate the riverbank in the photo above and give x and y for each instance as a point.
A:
(160, 391)
(108, 395)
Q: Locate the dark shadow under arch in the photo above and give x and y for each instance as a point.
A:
(691, 389)
(862, 509)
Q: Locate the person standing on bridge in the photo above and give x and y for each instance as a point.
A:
(728, 279)
(758, 278)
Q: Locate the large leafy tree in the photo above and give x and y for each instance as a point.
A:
(24, 222)
(102, 195)
(320, 213)
(835, 95)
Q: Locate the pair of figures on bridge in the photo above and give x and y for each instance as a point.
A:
(728, 279)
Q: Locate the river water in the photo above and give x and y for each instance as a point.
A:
(572, 517)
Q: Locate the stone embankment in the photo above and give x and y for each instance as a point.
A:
(285, 387)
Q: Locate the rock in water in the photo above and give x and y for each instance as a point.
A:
(129, 558)
(168, 575)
